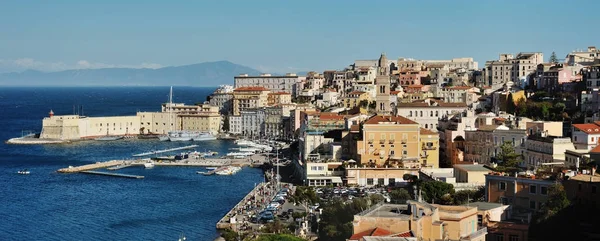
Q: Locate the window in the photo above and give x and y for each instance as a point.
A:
(513, 238)
(380, 181)
(392, 181)
(502, 186)
(480, 220)
(499, 237)
(532, 189)
(532, 204)
(369, 181)
(544, 190)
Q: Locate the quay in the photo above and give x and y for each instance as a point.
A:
(113, 174)
(229, 220)
(166, 150)
(88, 167)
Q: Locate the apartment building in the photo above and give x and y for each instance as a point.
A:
(420, 220)
(279, 98)
(483, 144)
(235, 124)
(253, 123)
(511, 68)
(581, 57)
(591, 75)
(204, 117)
(395, 141)
(586, 136)
(501, 221)
(457, 94)
(428, 111)
(543, 149)
(286, 83)
(249, 98)
(354, 99)
(520, 192)
(222, 97)
(455, 63)
(584, 189)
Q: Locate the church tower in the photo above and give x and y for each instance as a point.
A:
(383, 84)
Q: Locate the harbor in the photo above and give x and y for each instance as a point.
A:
(112, 174)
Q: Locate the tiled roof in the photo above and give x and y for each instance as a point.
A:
(596, 149)
(406, 234)
(427, 132)
(398, 119)
(370, 232)
(251, 88)
(415, 86)
(356, 93)
(460, 87)
(588, 128)
(395, 92)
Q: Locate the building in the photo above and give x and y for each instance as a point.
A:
(424, 221)
(75, 127)
(455, 63)
(222, 98)
(235, 124)
(580, 57)
(412, 77)
(584, 189)
(249, 98)
(395, 141)
(473, 174)
(328, 98)
(483, 144)
(355, 98)
(586, 136)
(427, 112)
(521, 192)
(204, 118)
(591, 75)
(511, 68)
(279, 98)
(501, 223)
(253, 123)
(544, 149)
(457, 94)
(324, 173)
(286, 83)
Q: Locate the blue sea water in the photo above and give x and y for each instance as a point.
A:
(46, 205)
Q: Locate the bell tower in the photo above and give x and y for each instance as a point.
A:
(383, 84)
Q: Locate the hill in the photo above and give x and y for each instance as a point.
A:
(203, 74)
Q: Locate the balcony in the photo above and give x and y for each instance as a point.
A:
(391, 141)
(370, 141)
(382, 141)
(403, 141)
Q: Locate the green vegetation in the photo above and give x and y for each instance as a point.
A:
(277, 237)
(465, 196)
(437, 192)
(553, 58)
(399, 195)
(226, 123)
(558, 214)
(508, 159)
(336, 221)
(557, 201)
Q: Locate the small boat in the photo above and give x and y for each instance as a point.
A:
(149, 164)
(211, 168)
(205, 136)
(24, 172)
(200, 172)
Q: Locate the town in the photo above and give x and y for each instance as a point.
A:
(403, 148)
(465, 153)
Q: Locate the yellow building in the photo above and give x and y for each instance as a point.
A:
(422, 221)
(395, 141)
(354, 98)
(74, 127)
(279, 98)
(203, 117)
(249, 97)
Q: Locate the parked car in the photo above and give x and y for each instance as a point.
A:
(290, 211)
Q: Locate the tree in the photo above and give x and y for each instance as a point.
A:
(557, 201)
(274, 227)
(510, 104)
(399, 195)
(277, 237)
(508, 158)
(553, 58)
(437, 192)
(521, 109)
(375, 198)
(226, 123)
(465, 196)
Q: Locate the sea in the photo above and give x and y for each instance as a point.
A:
(168, 203)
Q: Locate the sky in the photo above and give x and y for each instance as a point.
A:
(283, 36)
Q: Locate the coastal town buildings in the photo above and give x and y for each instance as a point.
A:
(511, 67)
(527, 192)
(222, 97)
(355, 99)
(285, 83)
(427, 112)
(420, 220)
(582, 57)
(249, 97)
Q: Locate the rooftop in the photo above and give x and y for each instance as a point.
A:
(483, 206)
(387, 210)
(588, 128)
(427, 132)
(472, 167)
(251, 88)
(370, 232)
(586, 178)
(386, 119)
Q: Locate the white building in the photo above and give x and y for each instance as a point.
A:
(253, 123)
(235, 124)
(286, 83)
(428, 111)
(223, 98)
(586, 136)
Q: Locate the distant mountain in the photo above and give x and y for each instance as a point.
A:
(203, 74)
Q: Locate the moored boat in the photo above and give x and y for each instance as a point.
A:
(23, 172)
(149, 164)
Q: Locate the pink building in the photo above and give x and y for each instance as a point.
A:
(555, 78)
(410, 77)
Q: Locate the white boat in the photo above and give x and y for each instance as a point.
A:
(205, 136)
(23, 172)
(230, 170)
(163, 138)
(149, 164)
(242, 142)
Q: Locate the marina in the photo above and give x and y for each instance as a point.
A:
(166, 150)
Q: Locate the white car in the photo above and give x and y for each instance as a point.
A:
(274, 204)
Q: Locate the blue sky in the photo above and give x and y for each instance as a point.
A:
(283, 36)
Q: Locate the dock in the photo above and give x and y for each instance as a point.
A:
(229, 220)
(88, 167)
(119, 167)
(113, 174)
(166, 150)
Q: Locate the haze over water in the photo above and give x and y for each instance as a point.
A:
(46, 205)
